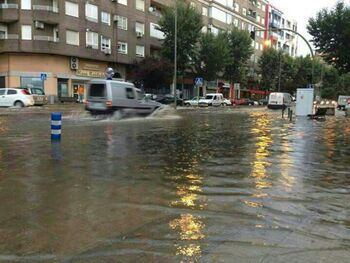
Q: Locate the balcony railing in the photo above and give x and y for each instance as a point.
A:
(45, 8)
(9, 36)
(46, 38)
(8, 6)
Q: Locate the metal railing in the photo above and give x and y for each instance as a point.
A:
(45, 8)
(46, 38)
(9, 37)
(8, 6)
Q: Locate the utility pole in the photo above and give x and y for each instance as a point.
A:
(175, 57)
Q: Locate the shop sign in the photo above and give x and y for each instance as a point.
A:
(90, 74)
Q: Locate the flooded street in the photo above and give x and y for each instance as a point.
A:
(206, 185)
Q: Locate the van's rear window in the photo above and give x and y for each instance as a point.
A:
(97, 90)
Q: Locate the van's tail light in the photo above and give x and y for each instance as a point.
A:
(109, 103)
(25, 92)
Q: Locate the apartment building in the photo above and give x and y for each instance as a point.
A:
(284, 40)
(59, 45)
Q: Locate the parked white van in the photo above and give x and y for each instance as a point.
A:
(108, 96)
(279, 100)
(212, 99)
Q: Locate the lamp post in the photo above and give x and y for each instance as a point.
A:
(175, 56)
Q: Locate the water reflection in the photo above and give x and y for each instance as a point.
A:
(261, 130)
(189, 227)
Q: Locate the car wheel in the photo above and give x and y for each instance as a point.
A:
(19, 104)
(187, 104)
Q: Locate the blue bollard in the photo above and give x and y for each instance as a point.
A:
(56, 123)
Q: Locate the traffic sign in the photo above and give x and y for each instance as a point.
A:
(198, 81)
(43, 76)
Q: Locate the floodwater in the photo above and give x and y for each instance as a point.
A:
(207, 185)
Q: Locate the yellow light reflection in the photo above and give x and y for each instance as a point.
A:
(188, 226)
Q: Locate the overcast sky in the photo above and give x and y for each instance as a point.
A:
(301, 10)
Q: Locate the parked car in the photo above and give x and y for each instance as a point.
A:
(342, 102)
(15, 97)
(193, 101)
(263, 101)
(149, 96)
(38, 94)
(212, 99)
(244, 101)
(226, 102)
(169, 99)
(108, 96)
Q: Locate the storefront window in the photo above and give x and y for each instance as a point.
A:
(34, 82)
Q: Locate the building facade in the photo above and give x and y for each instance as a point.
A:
(59, 45)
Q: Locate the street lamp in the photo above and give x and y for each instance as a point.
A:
(175, 56)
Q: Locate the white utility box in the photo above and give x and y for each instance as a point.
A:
(305, 102)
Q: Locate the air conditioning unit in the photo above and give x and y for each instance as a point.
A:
(107, 51)
(39, 25)
(74, 63)
(115, 18)
(139, 34)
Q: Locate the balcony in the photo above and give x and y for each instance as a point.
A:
(46, 38)
(8, 13)
(46, 13)
(9, 37)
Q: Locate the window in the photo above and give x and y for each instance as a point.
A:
(2, 91)
(123, 2)
(263, 21)
(122, 22)
(11, 92)
(72, 38)
(243, 26)
(235, 22)
(3, 31)
(122, 47)
(140, 51)
(244, 11)
(204, 11)
(140, 27)
(258, 18)
(34, 82)
(72, 9)
(92, 40)
(105, 44)
(155, 32)
(263, 7)
(140, 5)
(130, 93)
(106, 18)
(237, 8)
(26, 4)
(91, 12)
(26, 32)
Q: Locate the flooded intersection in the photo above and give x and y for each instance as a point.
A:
(209, 185)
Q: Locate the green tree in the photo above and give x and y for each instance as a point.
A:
(189, 25)
(269, 68)
(212, 56)
(153, 73)
(331, 34)
(240, 50)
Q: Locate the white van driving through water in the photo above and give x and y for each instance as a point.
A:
(279, 100)
(108, 96)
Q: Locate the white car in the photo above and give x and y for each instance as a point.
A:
(212, 99)
(226, 102)
(15, 97)
(193, 101)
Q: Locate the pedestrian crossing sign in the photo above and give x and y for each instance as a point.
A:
(198, 81)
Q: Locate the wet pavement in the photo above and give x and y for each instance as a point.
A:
(208, 185)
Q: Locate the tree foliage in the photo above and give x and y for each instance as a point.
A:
(152, 72)
(330, 30)
(212, 56)
(269, 68)
(189, 25)
(240, 50)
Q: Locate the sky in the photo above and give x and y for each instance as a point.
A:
(301, 11)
